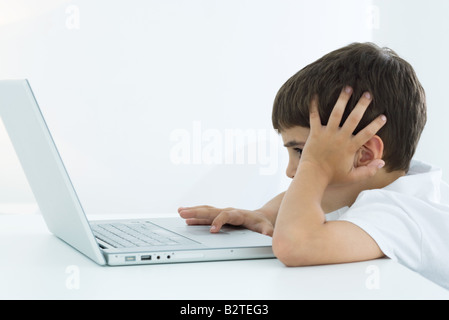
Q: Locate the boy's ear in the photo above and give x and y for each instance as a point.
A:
(371, 150)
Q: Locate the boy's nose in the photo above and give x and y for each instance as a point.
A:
(290, 172)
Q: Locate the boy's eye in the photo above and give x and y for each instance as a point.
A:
(299, 151)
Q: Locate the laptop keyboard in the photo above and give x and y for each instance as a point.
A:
(141, 234)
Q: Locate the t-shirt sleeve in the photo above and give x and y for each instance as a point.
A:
(389, 223)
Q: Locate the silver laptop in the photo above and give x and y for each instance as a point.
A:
(114, 242)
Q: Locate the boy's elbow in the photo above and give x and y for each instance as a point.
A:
(291, 252)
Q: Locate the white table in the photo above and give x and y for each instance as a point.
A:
(37, 265)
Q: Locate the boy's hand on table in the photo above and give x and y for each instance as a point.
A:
(331, 148)
(216, 218)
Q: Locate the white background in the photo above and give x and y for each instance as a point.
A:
(123, 84)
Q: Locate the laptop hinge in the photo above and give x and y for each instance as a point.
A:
(103, 245)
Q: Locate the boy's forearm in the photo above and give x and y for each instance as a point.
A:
(271, 208)
(300, 211)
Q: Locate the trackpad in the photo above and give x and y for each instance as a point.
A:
(228, 236)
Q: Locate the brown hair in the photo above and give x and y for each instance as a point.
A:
(396, 90)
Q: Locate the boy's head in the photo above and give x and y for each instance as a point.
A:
(395, 88)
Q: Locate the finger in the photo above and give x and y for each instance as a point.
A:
(182, 208)
(369, 131)
(315, 120)
(367, 171)
(357, 113)
(198, 222)
(199, 212)
(339, 108)
(231, 217)
(194, 207)
(187, 208)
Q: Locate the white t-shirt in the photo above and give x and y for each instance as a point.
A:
(409, 220)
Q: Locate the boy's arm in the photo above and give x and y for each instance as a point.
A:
(271, 208)
(302, 236)
(261, 220)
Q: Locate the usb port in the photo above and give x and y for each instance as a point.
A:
(145, 257)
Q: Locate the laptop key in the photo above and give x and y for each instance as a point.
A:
(122, 235)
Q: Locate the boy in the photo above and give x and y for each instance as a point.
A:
(351, 122)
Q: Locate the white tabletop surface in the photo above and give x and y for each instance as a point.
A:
(37, 265)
